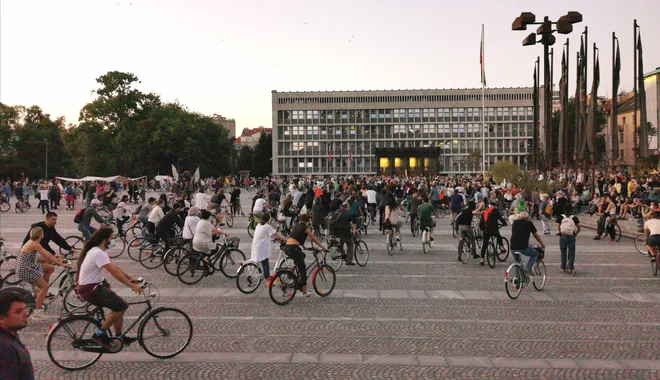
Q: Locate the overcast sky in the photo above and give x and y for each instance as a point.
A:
(225, 57)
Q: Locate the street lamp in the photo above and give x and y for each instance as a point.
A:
(46, 142)
(564, 26)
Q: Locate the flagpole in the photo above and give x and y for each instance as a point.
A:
(635, 146)
(483, 107)
(613, 115)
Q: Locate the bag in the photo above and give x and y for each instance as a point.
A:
(214, 199)
(79, 215)
(387, 224)
(592, 209)
(567, 226)
(548, 209)
(337, 223)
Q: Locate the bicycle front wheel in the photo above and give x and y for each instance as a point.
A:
(283, 287)
(230, 262)
(72, 300)
(388, 243)
(69, 343)
(491, 255)
(250, 228)
(229, 219)
(172, 258)
(249, 278)
(324, 280)
(75, 242)
(513, 281)
(165, 333)
(191, 269)
(464, 250)
(151, 256)
(503, 254)
(8, 270)
(334, 257)
(118, 249)
(425, 241)
(135, 246)
(5, 206)
(617, 232)
(538, 280)
(361, 253)
(640, 244)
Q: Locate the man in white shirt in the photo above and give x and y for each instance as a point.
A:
(652, 233)
(155, 216)
(371, 197)
(201, 202)
(93, 288)
(259, 204)
(203, 239)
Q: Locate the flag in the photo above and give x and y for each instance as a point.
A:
(616, 80)
(329, 156)
(175, 174)
(583, 100)
(578, 135)
(481, 58)
(641, 93)
(563, 88)
(196, 176)
(535, 107)
(593, 116)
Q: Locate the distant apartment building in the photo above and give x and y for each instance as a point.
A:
(250, 137)
(230, 124)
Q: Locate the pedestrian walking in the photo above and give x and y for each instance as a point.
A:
(569, 227)
(544, 207)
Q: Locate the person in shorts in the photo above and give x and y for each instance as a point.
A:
(426, 212)
(93, 288)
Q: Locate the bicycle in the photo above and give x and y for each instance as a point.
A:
(22, 206)
(197, 265)
(372, 214)
(391, 242)
(335, 255)
(441, 209)
(77, 243)
(179, 248)
(226, 215)
(640, 244)
(250, 273)
(5, 206)
(70, 345)
(427, 244)
(515, 278)
(7, 265)
(414, 226)
(494, 250)
(465, 248)
(285, 282)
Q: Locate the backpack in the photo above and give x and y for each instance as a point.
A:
(548, 209)
(567, 226)
(79, 215)
(337, 223)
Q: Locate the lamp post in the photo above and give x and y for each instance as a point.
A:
(46, 142)
(564, 26)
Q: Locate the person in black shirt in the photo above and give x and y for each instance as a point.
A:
(236, 201)
(464, 223)
(521, 229)
(336, 203)
(165, 227)
(490, 221)
(292, 249)
(50, 234)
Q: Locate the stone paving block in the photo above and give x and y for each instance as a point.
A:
(417, 294)
(360, 293)
(468, 361)
(444, 294)
(540, 296)
(519, 363)
(639, 297)
(305, 358)
(340, 358)
(602, 297)
(390, 359)
(436, 361)
(168, 292)
(225, 357)
(393, 294)
(599, 364)
(210, 292)
(337, 293)
(188, 292)
(562, 363)
(267, 357)
(477, 294)
(642, 364)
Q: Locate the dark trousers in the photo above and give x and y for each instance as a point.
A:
(486, 241)
(43, 204)
(567, 247)
(381, 211)
(603, 226)
(53, 202)
(535, 212)
(266, 266)
(298, 256)
(350, 247)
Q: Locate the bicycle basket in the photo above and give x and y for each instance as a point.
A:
(233, 242)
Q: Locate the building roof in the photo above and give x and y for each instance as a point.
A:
(627, 105)
(249, 132)
(656, 71)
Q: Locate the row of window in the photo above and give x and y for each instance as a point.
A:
(314, 132)
(402, 98)
(403, 114)
(362, 148)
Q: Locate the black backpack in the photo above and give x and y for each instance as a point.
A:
(338, 223)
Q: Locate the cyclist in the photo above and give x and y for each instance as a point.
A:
(155, 216)
(203, 239)
(85, 223)
(520, 231)
(18, 193)
(426, 213)
(259, 205)
(122, 212)
(216, 204)
(144, 210)
(318, 215)
(292, 249)
(652, 233)
(412, 207)
(392, 217)
(456, 202)
(490, 224)
(165, 227)
(93, 288)
(464, 223)
(371, 200)
(29, 269)
(190, 224)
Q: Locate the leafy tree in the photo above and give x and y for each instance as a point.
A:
(472, 161)
(263, 154)
(505, 171)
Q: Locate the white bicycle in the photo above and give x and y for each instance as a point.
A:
(427, 244)
(250, 274)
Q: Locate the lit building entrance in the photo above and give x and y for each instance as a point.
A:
(407, 161)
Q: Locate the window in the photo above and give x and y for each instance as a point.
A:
(411, 113)
(469, 112)
(624, 120)
(388, 114)
(461, 112)
(315, 115)
(621, 137)
(514, 112)
(499, 112)
(309, 115)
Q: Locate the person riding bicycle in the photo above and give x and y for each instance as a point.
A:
(93, 287)
(50, 234)
(464, 223)
(652, 233)
(122, 212)
(318, 215)
(456, 202)
(490, 224)
(293, 249)
(18, 193)
(520, 231)
(392, 218)
(426, 213)
(216, 204)
(203, 239)
(30, 269)
(371, 198)
(190, 224)
(259, 205)
(165, 227)
(354, 210)
(414, 203)
(155, 215)
(85, 223)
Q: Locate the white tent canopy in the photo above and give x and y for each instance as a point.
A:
(117, 178)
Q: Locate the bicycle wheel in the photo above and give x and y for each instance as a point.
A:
(502, 256)
(250, 228)
(171, 259)
(8, 270)
(334, 256)
(229, 220)
(413, 229)
(538, 280)
(283, 287)
(5, 206)
(324, 280)
(465, 250)
(231, 261)
(491, 255)
(249, 278)
(72, 300)
(655, 265)
(617, 232)
(425, 239)
(135, 246)
(513, 281)
(118, 249)
(68, 340)
(454, 231)
(361, 253)
(191, 269)
(640, 244)
(165, 333)
(388, 243)
(442, 212)
(151, 256)
(75, 242)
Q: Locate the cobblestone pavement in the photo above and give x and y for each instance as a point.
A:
(407, 316)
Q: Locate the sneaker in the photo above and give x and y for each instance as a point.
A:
(127, 339)
(596, 237)
(398, 238)
(350, 263)
(431, 239)
(103, 340)
(653, 259)
(529, 272)
(482, 262)
(221, 225)
(39, 315)
(459, 258)
(612, 241)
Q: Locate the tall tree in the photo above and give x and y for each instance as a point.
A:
(263, 154)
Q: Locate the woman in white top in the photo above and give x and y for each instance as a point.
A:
(261, 251)
(190, 225)
(201, 201)
(203, 239)
(155, 216)
(122, 212)
(392, 214)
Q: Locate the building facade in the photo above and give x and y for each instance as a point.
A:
(250, 136)
(401, 132)
(230, 124)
